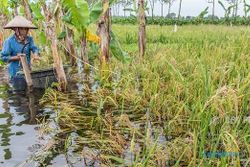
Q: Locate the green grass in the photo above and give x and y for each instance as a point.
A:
(189, 95)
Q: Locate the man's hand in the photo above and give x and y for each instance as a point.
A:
(16, 58)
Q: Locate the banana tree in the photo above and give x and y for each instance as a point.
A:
(104, 29)
(236, 4)
(227, 10)
(25, 4)
(134, 9)
(139, 10)
(46, 18)
(80, 16)
(13, 4)
(200, 17)
(77, 18)
(142, 28)
(246, 8)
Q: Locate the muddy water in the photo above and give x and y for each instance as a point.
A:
(18, 127)
(18, 124)
(20, 137)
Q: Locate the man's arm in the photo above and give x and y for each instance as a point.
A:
(5, 53)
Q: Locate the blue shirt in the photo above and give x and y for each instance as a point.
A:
(12, 47)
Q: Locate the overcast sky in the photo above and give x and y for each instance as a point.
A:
(192, 8)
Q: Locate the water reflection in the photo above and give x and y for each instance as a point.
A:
(18, 122)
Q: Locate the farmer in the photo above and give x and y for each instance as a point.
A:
(16, 44)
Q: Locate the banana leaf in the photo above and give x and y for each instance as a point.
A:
(116, 50)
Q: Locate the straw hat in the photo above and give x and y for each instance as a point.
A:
(20, 22)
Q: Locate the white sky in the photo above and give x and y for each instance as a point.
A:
(192, 8)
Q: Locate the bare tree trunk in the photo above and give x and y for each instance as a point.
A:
(104, 33)
(161, 9)
(118, 10)
(70, 47)
(84, 53)
(142, 29)
(233, 13)
(124, 12)
(213, 10)
(245, 9)
(58, 62)
(114, 9)
(236, 8)
(169, 8)
(179, 13)
(152, 8)
(51, 33)
(27, 11)
(15, 11)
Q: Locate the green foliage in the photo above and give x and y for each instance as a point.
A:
(21, 10)
(4, 3)
(62, 35)
(12, 3)
(42, 38)
(95, 12)
(4, 7)
(203, 13)
(36, 9)
(93, 51)
(78, 13)
(1, 63)
(79, 16)
(116, 50)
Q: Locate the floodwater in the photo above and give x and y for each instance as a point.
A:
(18, 124)
(20, 118)
(20, 137)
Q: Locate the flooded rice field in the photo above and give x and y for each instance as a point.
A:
(20, 120)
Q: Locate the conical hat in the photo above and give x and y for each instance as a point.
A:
(20, 22)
